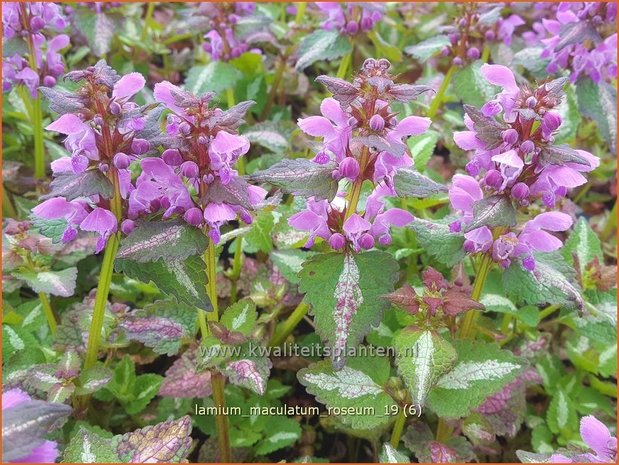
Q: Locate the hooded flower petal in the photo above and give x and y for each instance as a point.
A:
(128, 85)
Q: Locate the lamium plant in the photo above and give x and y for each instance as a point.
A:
(309, 232)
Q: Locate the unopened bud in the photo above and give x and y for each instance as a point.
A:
(473, 53)
(377, 123)
(127, 226)
(140, 146)
(190, 169)
(193, 216)
(520, 191)
(172, 157)
(337, 241)
(121, 161)
(366, 241)
(493, 179)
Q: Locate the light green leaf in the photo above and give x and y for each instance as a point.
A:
(471, 87)
(289, 262)
(259, 236)
(321, 45)
(216, 77)
(355, 394)
(428, 48)
(152, 240)
(240, 317)
(346, 295)
(182, 279)
(599, 102)
(422, 357)
(561, 417)
(88, 447)
(390, 454)
(279, 432)
(61, 283)
(482, 369)
(551, 282)
(422, 148)
(583, 243)
(438, 241)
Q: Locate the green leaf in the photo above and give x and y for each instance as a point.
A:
(88, 447)
(61, 283)
(98, 29)
(561, 416)
(493, 211)
(530, 58)
(471, 87)
(289, 262)
(269, 136)
(482, 370)
(583, 243)
(435, 237)
(321, 45)
(240, 317)
(279, 432)
(181, 279)
(71, 185)
(422, 357)
(163, 335)
(216, 77)
(541, 439)
(152, 240)
(346, 295)
(422, 148)
(93, 379)
(390, 454)
(426, 49)
(301, 177)
(411, 183)
(53, 229)
(551, 282)
(145, 389)
(384, 48)
(259, 236)
(570, 116)
(167, 442)
(599, 102)
(351, 391)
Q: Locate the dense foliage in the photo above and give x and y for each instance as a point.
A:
(330, 232)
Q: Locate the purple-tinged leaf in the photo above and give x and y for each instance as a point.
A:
(167, 442)
(24, 426)
(411, 183)
(93, 379)
(86, 184)
(301, 177)
(234, 193)
(343, 91)
(62, 101)
(160, 334)
(407, 92)
(251, 374)
(576, 33)
(152, 240)
(184, 380)
(488, 130)
(69, 365)
(560, 155)
(347, 295)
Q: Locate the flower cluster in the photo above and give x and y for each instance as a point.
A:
(515, 160)
(476, 27)
(350, 18)
(199, 162)
(34, 23)
(581, 38)
(223, 42)
(362, 140)
(102, 139)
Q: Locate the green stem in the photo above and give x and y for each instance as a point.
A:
(289, 325)
(217, 380)
(39, 147)
(548, 311)
(485, 55)
(49, 314)
(103, 289)
(147, 19)
(467, 328)
(300, 12)
(507, 319)
(438, 99)
(344, 64)
(237, 265)
(279, 74)
(398, 429)
(8, 209)
(611, 223)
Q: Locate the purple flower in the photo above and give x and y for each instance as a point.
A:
(599, 440)
(595, 57)
(350, 18)
(333, 127)
(45, 451)
(106, 143)
(202, 156)
(35, 23)
(223, 41)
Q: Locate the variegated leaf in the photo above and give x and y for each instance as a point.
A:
(152, 240)
(357, 386)
(184, 380)
(240, 317)
(482, 369)
(60, 283)
(88, 447)
(422, 357)
(169, 442)
(346, 293)
(249, 373)
(390, 454)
